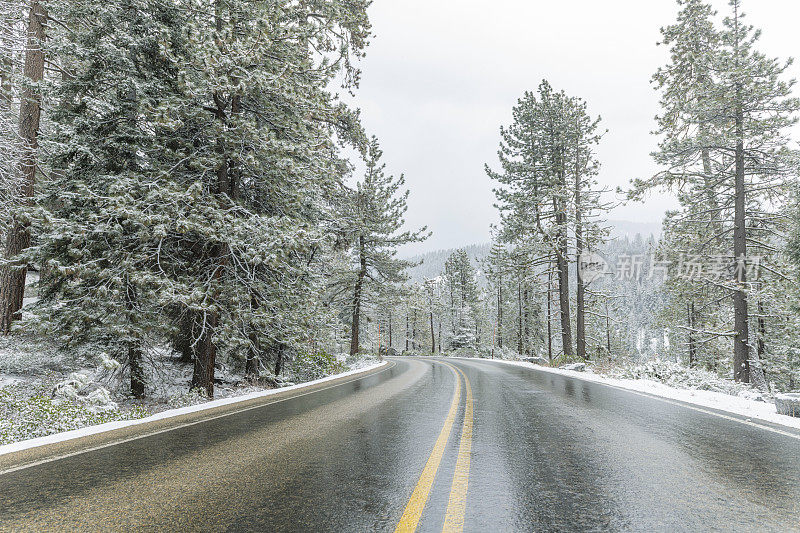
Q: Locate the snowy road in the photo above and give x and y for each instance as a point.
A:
(397, 448)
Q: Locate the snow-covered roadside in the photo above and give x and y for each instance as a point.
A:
(93, 430)
(752, 409)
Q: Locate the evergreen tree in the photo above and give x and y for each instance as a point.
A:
(17, 232)
(546, 195)
(462, 291)
(198, 160)
(374, 230)
(724, 147)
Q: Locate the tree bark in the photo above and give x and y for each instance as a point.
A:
(253, 364)
(500, 312)
(433, 335)
(527, 307)
(761, 346)
(134, 347)
(414, 330)
(519, 312)
(550, 313)
(580, 322)
(608, 331)
(185, 337)
(206, 357)
(357, 294)
(407, 329)
(18, 238)
(741, 346)
(692, 344)
(279, 360)
(563, 290)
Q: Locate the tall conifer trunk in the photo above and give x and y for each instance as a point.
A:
(741, 345)
(206, 356)
(357, 296)
(18, 238)
(562, 266)
(433, 335)
(500, 312)
(580, 322)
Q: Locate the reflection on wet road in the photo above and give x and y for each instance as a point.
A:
(449, 443)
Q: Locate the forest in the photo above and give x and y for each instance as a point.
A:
(183, 185)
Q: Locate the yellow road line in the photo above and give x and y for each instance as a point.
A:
(416, 504)
(454, 517)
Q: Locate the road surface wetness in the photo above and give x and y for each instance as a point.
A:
(548, 453)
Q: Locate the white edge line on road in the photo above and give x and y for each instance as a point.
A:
(679, 403)
(172, 413)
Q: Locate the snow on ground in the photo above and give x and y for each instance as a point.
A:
(44, 391)
(171, 413)
(744, 403)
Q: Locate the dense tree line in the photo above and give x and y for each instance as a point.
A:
(187, 184)
(549, 206)
(726, 112)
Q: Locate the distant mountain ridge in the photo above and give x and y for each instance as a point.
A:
(628, 228)
(431, 264)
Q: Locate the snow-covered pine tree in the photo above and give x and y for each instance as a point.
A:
(725, 147)
(14, 268)
(462, 294)
(101, 231)
(496, 267)
(547, 194)
(197, 159)
(11, 42)
(374, 229)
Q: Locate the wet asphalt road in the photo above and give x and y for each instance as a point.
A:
(546, 453)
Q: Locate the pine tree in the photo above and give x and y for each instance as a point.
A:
(724, 146)
(375, 231)
(198, 162)
(463, 300)
(18, 232)
(547, 194)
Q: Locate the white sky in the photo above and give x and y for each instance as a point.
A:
(441, 76)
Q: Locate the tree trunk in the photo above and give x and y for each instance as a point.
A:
(137, 373)
(608, 331)
(206, 357)
(134, 347)
(550, 313)
(407, 329)
(433, 335)
(761, 346)
(741, 346)
(390, 330)
(253, 364)
(362, 273)
(185, 336)
(527, 322)
(519, 312)
(580, 302)
(563, 292)
(691, 340)
(500, 312)
(18, 238)
(279, 361)
(414, 331)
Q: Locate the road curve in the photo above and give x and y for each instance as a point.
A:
(425, 444)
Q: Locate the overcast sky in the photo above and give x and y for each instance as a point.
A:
(441, 76)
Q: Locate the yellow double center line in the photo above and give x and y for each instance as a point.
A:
(454, 516)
